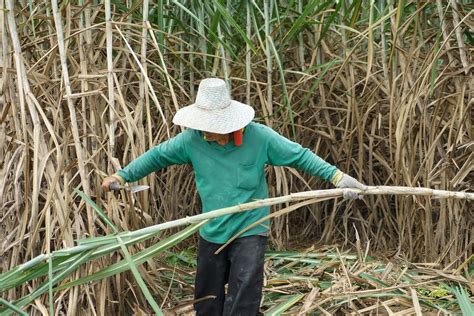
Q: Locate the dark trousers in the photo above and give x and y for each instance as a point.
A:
(240, 265)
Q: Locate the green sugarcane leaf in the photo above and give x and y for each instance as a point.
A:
(50, 285)
(318, 80)
(110, 239)
(161, 24)
(194, 17)
(139, 278)
(329, 22)
(464, 300)
(12, 307)
(356, 5)
(215, 17)
(138, 258)
(18, 276)
(81, 258)
(301, 20)
(228, 18)
(286, 97)
(99, 211)
(373, 279)
(436, 64)
(287, 304)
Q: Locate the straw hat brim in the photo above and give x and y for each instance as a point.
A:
(220, 121)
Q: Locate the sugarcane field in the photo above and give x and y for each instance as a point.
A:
(257, 157)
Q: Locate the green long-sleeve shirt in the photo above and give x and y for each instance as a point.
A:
(230, 175)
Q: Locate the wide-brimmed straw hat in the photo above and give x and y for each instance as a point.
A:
(214, 111)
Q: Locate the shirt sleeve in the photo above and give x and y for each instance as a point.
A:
(283, 152)
(170, 152)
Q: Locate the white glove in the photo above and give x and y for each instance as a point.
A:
(349, 182)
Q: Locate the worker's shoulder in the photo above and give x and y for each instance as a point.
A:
(184, 137)
(188, 133)
(261, 129)
(257, 127)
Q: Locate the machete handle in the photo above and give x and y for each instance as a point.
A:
(115, 186)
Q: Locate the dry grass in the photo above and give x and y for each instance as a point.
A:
(385, 93)
(326, 281)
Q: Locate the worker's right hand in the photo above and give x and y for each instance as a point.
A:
(108, 181)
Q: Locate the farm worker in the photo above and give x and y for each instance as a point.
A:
(228, 153)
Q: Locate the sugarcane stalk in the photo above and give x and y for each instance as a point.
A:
(390, 190)
(134, 236)
(110, 78)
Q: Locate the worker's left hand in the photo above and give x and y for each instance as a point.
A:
(349, 182)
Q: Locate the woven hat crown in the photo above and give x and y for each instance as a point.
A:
(212, 94)
(214, 111)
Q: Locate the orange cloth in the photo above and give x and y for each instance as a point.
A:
(238, 136)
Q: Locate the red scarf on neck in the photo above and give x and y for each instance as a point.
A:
(238, 136)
